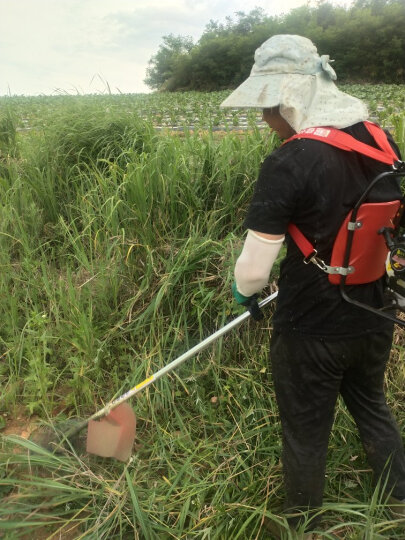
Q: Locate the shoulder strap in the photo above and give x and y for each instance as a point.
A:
(304, 245)
(344, 141)
(380, 138)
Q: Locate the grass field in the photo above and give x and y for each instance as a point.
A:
(117, 245)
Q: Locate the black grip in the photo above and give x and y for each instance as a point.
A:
(253, 308)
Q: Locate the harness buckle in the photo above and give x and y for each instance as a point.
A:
(320, 264)
(312, 258)
(309, 258)
(398, 166)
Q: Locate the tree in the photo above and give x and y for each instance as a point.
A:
(367, 41)
(163, 65)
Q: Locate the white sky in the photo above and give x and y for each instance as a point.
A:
(52, 46)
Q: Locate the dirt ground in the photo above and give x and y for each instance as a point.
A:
(19, 424)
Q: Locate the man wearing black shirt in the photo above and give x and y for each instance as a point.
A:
(321, 345)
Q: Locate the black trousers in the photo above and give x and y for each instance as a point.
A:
(308, 375)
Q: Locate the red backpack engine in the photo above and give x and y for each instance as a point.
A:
(370, 231)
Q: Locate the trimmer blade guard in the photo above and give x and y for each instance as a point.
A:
(114, 435)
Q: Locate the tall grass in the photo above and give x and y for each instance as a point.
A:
(398, 121)
(117, 244)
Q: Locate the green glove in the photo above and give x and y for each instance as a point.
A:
(250, 302)
(238, 296)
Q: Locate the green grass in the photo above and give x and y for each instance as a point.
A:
(117, 244)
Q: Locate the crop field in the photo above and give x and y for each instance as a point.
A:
(121, 220)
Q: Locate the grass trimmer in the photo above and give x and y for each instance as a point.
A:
(111, 430)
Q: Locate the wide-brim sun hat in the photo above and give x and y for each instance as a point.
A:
(288, 72)
(277, 57)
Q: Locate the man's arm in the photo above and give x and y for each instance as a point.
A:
(255, 262)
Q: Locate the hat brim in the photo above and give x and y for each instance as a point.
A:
(258, 91)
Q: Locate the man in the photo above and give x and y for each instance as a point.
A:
(321, 345)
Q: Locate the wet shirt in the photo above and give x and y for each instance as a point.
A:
(315, 185)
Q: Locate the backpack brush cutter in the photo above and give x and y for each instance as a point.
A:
(111, 430)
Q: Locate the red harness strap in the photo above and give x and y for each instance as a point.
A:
(306, 248)
(344, 141)
(386, 154)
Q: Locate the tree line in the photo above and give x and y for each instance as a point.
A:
(366, 40)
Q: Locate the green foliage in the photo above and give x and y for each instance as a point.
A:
(8, 133)
(85, 137)
(168, 61)
(8, 139)
(367, 41)
(104, 225)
